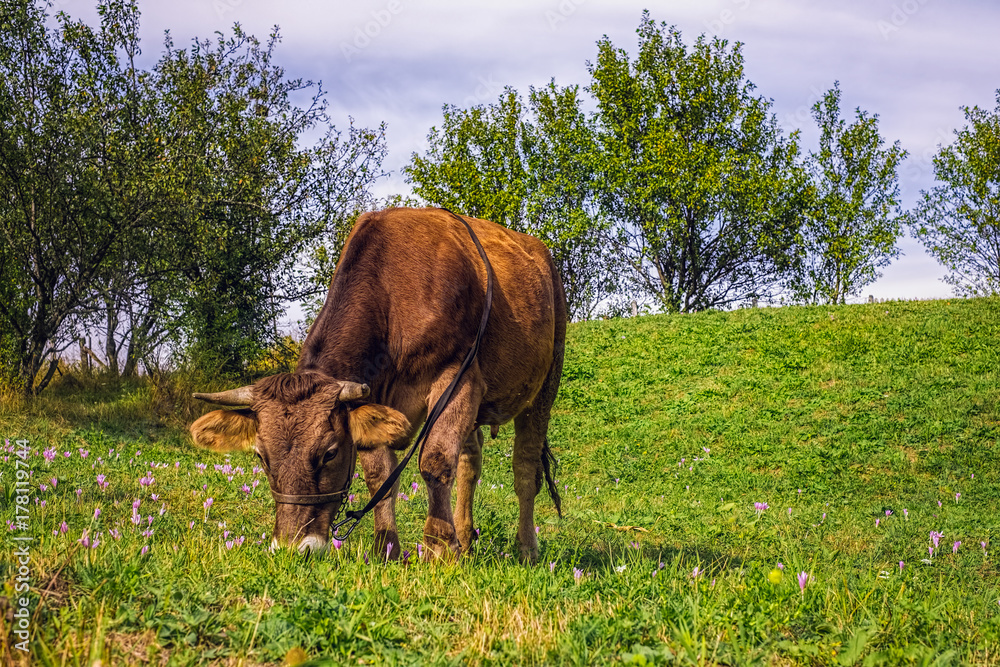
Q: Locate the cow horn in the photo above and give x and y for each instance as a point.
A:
(352, 391)
(241, 397)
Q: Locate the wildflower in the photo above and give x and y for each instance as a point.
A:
(406, 558)
(154, 497)
(246, 489)
(803, 578)
(43, 487)
(79, 492)
(191, 525)
(350, 497)
(144, 550)
(97, 512)
(403, 496)
(54, 482)
(420, 550)
(388, 550)
(84, 453)
(697, 572)
(955, 546)
(634, 544)
(781, 566)
(888, 513)
(414, 486)
(876, 522)
(621, 568)
(577, 575)
(49, 454)
(85, 539)
(537, 528)
(901, 565)
(208, 503)
(957, 495)
(148, 533)
(775, 576)
(935, 536)
(552, 566)
(336, 543)
(760, 507)
(906, 514)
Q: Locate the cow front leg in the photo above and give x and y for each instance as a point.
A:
(378, 463)
(439, 463)
(470, 466)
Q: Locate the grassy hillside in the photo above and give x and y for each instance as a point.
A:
(762, 486)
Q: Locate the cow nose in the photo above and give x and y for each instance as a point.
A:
(312, 544)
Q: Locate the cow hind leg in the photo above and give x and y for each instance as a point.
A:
(470, 466)
(378, 463)
(533, 460)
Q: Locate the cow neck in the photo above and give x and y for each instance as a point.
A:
(347, 341)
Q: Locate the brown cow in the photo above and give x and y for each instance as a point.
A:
(402, 312)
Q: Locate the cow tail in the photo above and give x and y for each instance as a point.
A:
(549, 464)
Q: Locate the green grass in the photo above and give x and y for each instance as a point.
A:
(668, 429)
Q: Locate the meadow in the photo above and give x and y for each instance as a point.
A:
(803, 485)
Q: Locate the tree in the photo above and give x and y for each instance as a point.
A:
(474, 164)
(702, 187)
(560, 150)
(171, 202)
(854, 219)
(529, 170)
(78, 172)
(261, 201)
(958, 222)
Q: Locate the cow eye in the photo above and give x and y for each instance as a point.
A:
(330, 455)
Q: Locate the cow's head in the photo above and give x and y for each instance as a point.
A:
(306, 429)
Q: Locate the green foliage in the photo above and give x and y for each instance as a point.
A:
(703, 188)
(854, 219)
(529, 170)
(959, 221)
(668, 430)
(166, 205)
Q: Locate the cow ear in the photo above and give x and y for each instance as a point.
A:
(226, 430)
(377, 426)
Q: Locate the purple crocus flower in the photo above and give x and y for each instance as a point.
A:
(388, 550)
(552, 566)
(760, 507)
(577, 575)
(955, 546)
(803, 578)
(97, 512)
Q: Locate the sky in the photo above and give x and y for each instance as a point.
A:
(915, 63)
